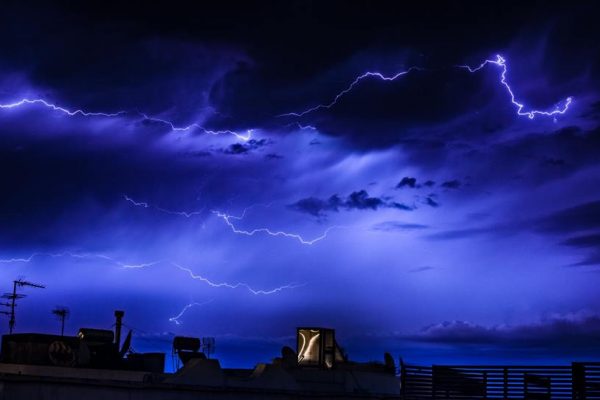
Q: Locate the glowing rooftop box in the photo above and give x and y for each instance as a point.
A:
(317, 347)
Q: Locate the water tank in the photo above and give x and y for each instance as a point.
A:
(186, 343)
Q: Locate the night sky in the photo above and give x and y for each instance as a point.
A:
(237, 169)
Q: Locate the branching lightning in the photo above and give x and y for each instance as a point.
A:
(499, 61)
(186, 214)
(136, 203)
(195, 126)
(150, 264)
(348, 89)
(79, 256)
(227, 218)
(146, 117)
(236, 285)
(54, 107)
(302, 127)
(176, 318)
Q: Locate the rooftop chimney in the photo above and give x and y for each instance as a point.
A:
(119, 316)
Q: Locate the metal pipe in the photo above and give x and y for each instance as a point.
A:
(119, 316)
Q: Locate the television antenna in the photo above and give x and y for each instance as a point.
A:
(62, 313)
(5, 305)
(19, 283)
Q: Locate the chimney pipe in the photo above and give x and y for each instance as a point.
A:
(119, 316)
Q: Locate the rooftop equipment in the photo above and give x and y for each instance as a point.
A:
(186, 349)
(316, 347)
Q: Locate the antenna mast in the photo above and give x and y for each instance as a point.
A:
(14, 296)
(61, 313)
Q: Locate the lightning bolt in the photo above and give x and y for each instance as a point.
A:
(195, 126)
(186, 214)
(136, 203)
(149, 264)
(300, 126)
(63, 110)
(79, 256)
(176, 318)
(236, 285)
(499, 61)
(227, 218)
(348, 89)
(146, 117)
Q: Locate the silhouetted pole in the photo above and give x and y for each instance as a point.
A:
(11, 322)
(62, 313)
(14, 296)
(119, 316)
(5, 305)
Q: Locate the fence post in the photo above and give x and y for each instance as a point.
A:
(505, 382)
(402, 378)
(485, 381)
(578, 379)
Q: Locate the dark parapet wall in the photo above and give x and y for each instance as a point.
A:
(40, 349)
(90, 349)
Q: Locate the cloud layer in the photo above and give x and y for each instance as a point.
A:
(409, 201)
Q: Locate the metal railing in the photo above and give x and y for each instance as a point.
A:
(580, 381)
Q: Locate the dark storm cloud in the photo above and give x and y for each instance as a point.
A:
(103, 64)
(65, 183)
(358, 200)
(452, 184)
(527, 160)
(591, 260)
(361, 200)
(316, 207)
(400, 206)
(576, 227)
(582, 217)
(554, 162)
(569, 330)
(58, 179)
(593, 112)
(251, 78)
(590, 242)
(246, 147)
(273, 156)
(431, 202)
(407, 182)
(544, 157)
(396, 111)
(311, 67)
(330, 46)
(584, 241)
